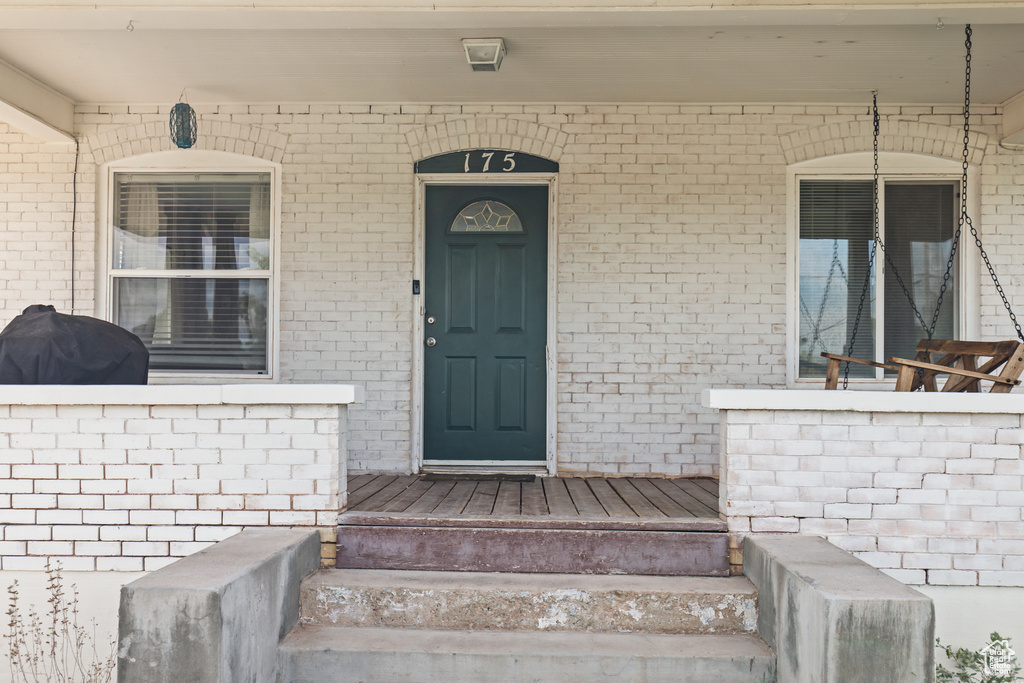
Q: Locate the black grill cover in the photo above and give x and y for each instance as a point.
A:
(42, 346)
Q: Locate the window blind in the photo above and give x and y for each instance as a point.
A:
(189, 221)
(836, 225)
(920, 222)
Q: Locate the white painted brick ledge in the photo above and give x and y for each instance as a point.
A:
(193, 394)
(880, 401)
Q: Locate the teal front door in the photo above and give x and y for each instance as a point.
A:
(485, 324)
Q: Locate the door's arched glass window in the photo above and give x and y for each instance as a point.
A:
(487, 215)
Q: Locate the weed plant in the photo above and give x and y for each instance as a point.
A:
(53, 647)
(973, 666)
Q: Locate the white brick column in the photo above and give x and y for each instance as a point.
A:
(929, 488)
(130, 478)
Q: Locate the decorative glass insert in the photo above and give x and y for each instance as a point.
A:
(486, 215)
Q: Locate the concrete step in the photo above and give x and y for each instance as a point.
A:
(322, 654)
(530, 602)
(518, 549)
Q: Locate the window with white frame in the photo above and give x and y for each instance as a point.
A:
(190, 267)
(834, 227)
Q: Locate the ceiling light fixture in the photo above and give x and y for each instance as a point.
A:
(484, 54)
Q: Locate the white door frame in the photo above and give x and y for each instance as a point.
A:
(419, 238)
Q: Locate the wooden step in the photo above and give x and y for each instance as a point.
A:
(317, 654)
(514, 548)
(581, 525)
(524, 602)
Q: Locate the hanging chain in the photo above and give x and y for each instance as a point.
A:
(892, 270)
(964, 218)
(878, 244)
(874, 245)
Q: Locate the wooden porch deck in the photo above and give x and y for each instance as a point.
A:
(543, 502)
(588, 525)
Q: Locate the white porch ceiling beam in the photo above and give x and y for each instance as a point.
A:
(469, 14)
(33, 108)
(1013, 122)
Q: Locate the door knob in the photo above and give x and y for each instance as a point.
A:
(431, 341)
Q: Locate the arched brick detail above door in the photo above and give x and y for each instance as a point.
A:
(155, 136)
(894, 136)
(487, 133)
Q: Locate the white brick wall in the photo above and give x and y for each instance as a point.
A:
(35, 224)
(151, 483)
(928, 497)
(671, 247)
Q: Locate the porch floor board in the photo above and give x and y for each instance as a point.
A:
(619, 503)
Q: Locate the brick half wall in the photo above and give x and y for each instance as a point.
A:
(929, 488)
(131, 478)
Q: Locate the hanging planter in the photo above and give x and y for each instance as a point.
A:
(183, 124)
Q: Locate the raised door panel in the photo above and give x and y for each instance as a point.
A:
(460, 390)
(462, 291)
(510, 413)
(510, 288)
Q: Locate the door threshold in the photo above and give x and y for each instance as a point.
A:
(478, 476)
(484, 467)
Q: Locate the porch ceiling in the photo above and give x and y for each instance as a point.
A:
(334, 52)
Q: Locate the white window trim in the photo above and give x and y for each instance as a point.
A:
(892, 166)
(204, 161)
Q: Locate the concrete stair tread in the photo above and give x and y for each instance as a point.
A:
(319, 654)
(532, 581)
(523, 602)
(440, 641)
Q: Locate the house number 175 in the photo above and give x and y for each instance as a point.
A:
(507, 163)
